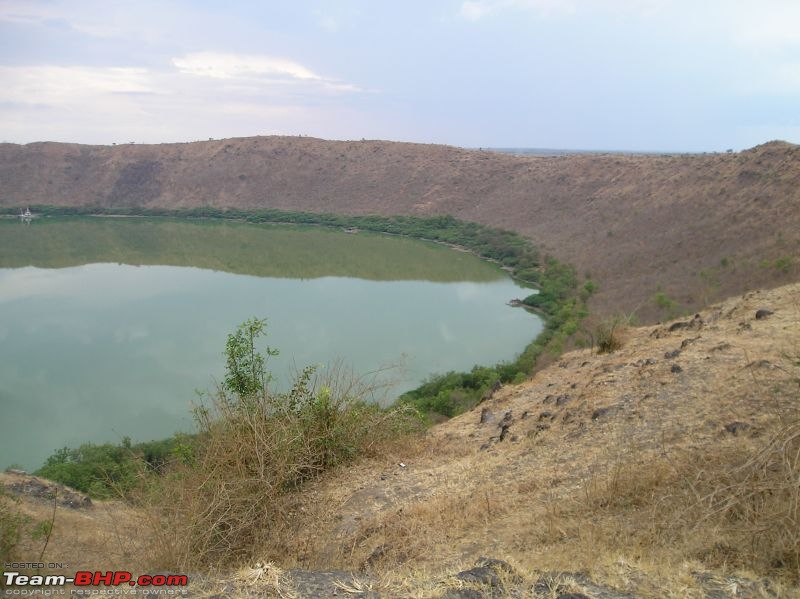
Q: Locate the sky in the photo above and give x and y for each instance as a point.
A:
(637, 75)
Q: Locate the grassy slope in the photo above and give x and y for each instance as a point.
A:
(696, 227)
(599, 471)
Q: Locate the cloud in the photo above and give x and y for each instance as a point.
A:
(16, 11)
(260, 74)
(95, 21)
(201, 77)
(231, 66)
(194, 96)
(48, 84)
(475, 10)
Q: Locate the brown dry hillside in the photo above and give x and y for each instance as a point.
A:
(697, 227)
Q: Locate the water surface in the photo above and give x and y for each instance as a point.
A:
(100, 350)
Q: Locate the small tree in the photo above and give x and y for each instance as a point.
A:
(246, 373)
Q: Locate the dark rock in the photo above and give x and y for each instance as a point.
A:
(490, 574)
(508, 418)
(584, 364)
(47, 491)
(645, 362)
(545, 415)
(547, 399)
(763, 313)
(480, 575)
(721, 347)
(542, 427)
(491, 391)
(676, 369)
(686, 342)
(735, 428)
(606, 411)
(486, 416)
(504, 432)
(501, 567)
(75, 501)
(695, 323)
(562, 399)
(672, 354)
(463, 594)
(524, 415)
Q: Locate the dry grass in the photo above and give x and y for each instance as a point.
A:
(109, 534)
(240, 493)
(653, 496)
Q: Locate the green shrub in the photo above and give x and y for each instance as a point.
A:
(783, 264)
(108, 470)
(668, 306)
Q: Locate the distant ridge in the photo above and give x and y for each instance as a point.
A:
(690, 227)
(572, 152)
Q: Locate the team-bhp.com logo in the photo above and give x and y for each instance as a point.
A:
(96, 579)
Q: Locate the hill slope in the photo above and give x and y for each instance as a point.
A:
(696, 227)
(635, 454)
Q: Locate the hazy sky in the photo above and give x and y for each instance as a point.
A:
(669, 75)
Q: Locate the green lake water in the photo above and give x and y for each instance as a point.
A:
(108, 326)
